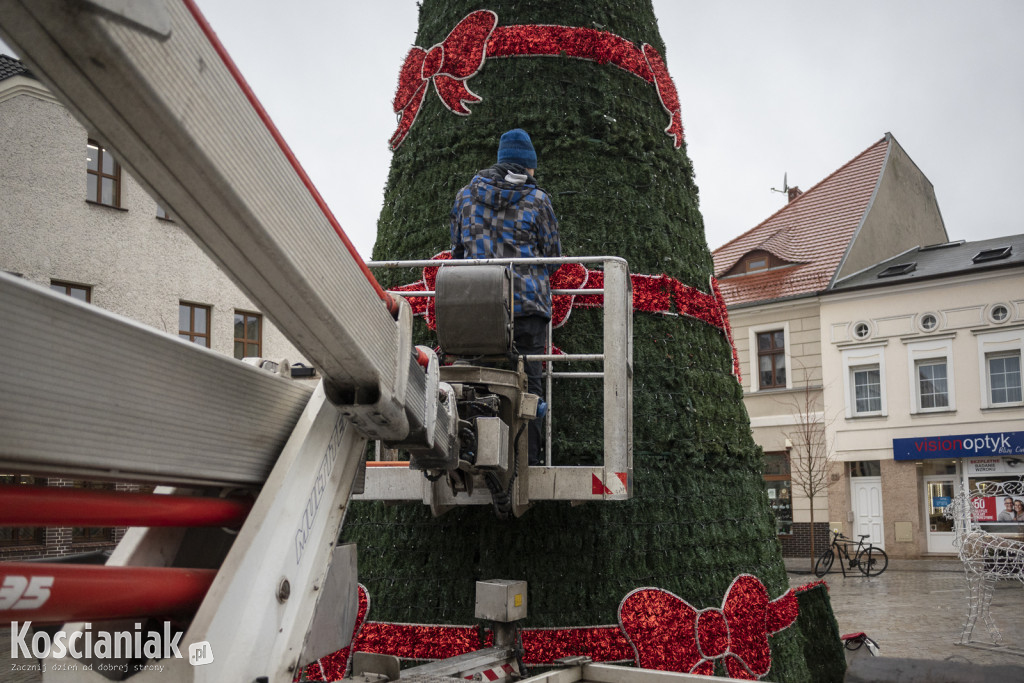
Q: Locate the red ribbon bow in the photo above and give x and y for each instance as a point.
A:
(667, 633)
(447, 64)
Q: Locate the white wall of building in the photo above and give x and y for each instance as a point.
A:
(137, 265)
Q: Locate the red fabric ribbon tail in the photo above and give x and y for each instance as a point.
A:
(409, 114)
(666, 93)
(454, 93)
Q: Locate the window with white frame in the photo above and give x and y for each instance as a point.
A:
(867, 389)
(999, 361)
(769, 357)
(932, 385)
(931, 375)
(1004, 378)
(864, 379)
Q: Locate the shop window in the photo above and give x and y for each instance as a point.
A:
(778, 484)
(1001, 512)
(194, 323)
(1004, 378)
(18, 536)
(248, 335)
(103, 176)
(75, 291)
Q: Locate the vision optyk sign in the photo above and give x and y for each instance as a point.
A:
(959, 446)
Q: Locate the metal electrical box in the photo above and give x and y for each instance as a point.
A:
(501, 600)
(491, 443)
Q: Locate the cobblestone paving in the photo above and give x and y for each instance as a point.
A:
(916, 609)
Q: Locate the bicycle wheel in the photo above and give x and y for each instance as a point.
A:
(824, 562)
(872, 561)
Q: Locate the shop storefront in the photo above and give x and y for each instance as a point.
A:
(950, 463)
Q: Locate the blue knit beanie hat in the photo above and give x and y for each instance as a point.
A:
(515, 147)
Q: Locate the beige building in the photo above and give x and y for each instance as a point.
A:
(73, 220)
(923, 358)
(772, 277)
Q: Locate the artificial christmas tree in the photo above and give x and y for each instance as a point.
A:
(587, 81)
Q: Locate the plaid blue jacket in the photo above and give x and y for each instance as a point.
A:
(503, 214)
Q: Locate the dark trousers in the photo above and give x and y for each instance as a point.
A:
(530, 335)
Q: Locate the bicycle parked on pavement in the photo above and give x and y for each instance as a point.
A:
(870, 560)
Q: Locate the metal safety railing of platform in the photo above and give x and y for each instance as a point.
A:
(612, 477)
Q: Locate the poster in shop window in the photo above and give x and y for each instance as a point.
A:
(1000, 509)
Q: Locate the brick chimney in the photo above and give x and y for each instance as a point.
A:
(794, 192)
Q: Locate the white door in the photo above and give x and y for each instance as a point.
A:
(939, 491)
(867, 509)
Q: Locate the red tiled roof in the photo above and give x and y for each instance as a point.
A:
(813, 231)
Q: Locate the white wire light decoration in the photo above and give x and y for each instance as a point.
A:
(986, 557)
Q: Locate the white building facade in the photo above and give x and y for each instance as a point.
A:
(922, 358)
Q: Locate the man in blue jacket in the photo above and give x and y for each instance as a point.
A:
(503, 214)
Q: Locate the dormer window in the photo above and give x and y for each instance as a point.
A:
(757, 261)
(755, 264)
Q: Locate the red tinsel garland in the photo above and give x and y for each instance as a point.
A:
(656, 629)
(461, 55)
(659, 294)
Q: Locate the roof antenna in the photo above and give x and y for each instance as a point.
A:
(785, 185)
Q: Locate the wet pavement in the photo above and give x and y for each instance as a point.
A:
(916, 610)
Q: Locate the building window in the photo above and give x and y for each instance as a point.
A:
(929, 322)
(1004, 378)
(248, 335)
(864, 380)
(103, 176)
(93, 534)
(758, 263)
(194, 323)
(771, 359)
(162, 214)
(861, 330)
(932, 385)
(930, 363)
(998, 314)
(867, 389)
(80, 292)
(779, 487)
(865, 468)
(17, 536)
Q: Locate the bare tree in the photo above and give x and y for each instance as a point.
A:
(810, 455)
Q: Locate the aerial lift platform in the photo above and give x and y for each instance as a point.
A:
(238, 544)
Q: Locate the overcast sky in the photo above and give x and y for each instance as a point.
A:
(767, 88)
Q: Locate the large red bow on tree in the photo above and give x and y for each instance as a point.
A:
(669, 634)
(477, 37)
(447, 64)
